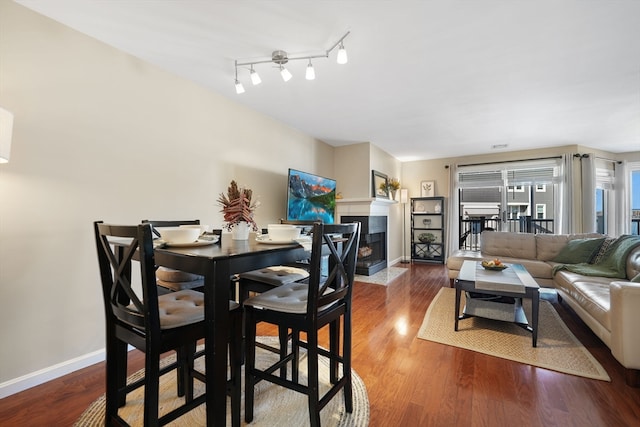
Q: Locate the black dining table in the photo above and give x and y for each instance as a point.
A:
(218, 263)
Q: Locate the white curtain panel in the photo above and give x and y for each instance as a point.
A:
(588, 193)
(453, 230)
(622, 190)
(565, 196)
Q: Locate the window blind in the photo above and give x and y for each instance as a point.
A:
(605, 174)
(528, 172)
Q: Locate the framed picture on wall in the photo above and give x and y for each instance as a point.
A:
(427, 188)
(379, 184)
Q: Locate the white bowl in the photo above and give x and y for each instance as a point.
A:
(179, 234)
(203, 228)
(283, 232)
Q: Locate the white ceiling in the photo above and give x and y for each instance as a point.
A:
(425, 79)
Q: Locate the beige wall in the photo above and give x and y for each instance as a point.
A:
(353, 166)
(353, 170)
(99, 134)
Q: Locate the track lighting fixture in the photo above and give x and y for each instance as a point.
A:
(280, 57)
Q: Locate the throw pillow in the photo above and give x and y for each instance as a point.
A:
(603, 249)
(579, 251)
(636, 278)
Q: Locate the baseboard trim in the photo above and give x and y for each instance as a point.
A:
(33, 379)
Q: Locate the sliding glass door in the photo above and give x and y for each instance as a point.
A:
(510, 196)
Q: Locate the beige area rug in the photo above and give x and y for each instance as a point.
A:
(558, 349)
(382, 277)
(274, 405)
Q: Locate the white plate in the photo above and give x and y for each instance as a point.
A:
(264, 238)
(198, 242)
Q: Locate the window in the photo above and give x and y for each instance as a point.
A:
(600, 211)
(604, 205)
(635, 199)
(516, 211)
(510, 196)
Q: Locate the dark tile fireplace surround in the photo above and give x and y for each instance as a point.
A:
(372, 253)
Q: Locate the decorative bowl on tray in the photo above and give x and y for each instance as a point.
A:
(427, 238)
(495, 264)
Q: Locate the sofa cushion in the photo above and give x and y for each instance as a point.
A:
(633, 263)
(507, 244)
(537, 269)
(550, 245)
(592, 294)
(579, 250)
(455, 260)
(594, 297)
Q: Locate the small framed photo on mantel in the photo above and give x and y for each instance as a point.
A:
(379, 185)
(427, 188)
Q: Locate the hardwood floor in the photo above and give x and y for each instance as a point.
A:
(410, 382)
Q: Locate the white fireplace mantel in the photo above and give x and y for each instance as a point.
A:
(363, 207)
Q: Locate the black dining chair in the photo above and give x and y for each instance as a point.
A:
(264, 279)
(309, 307)
(154, 324)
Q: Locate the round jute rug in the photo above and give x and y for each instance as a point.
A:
(274, 405)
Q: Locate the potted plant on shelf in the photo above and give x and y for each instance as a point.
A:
(394, 186)
(238, 209)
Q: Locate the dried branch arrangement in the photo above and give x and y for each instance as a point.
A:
(237, 206)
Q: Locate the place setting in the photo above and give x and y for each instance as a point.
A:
(280, 234)
(185, 236)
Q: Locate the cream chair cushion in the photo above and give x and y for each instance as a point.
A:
(276, 275)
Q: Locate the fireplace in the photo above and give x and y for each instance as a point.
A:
(372, 253)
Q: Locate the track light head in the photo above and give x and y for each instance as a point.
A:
(311, 73)
(342, 55)
(255, 78)
(239, 87)
(286, 75)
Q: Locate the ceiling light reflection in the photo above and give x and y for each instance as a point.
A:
(402, 326)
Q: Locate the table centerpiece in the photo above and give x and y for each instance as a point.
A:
(238, 210)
